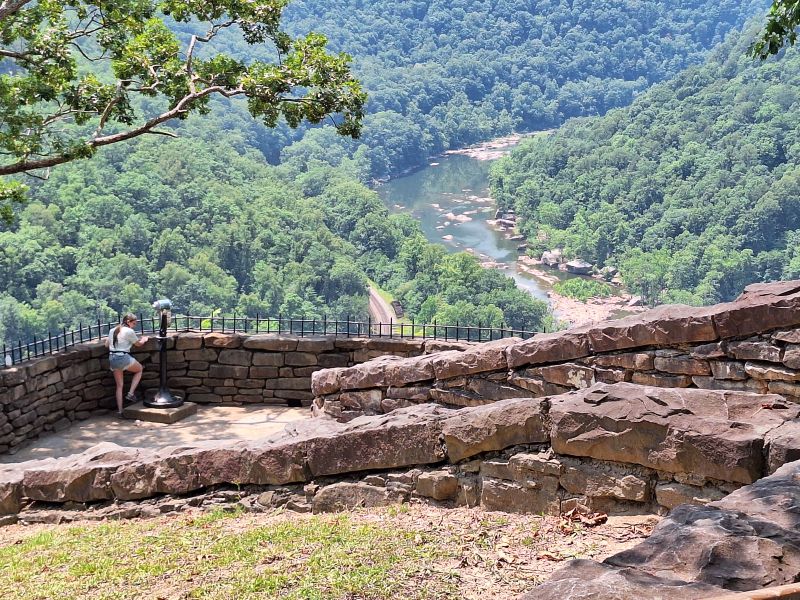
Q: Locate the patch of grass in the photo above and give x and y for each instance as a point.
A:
(582, 289)
(212, 556)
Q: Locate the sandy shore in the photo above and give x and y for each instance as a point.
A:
(578, 313)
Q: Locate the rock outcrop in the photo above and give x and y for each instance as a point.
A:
(746, 541)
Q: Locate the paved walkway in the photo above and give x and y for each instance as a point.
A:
(210, 423)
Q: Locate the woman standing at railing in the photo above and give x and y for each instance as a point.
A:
(120, 340)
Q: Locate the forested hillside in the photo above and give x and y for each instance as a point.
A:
(446, 73)
(204, 221)
(234, 216)
(693, 191)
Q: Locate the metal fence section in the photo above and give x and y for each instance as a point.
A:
(54, 342)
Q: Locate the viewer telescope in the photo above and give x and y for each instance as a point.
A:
(164, 398)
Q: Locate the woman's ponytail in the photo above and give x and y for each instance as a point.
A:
(125, 320)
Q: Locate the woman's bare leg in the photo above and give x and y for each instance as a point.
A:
(136, 369)
(119, 377)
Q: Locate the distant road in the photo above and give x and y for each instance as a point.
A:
(380, 310)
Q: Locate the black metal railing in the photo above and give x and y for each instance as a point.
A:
(20, 351)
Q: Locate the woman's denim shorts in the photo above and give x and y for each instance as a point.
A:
(118, 361)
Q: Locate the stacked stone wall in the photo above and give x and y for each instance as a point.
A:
(751, 344)
(617, 448)
(48, 394)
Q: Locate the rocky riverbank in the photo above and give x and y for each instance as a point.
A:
(574, 312)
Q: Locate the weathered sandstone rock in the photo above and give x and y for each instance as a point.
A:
(674, 494)
(761, 307)
(271, 342)
(223, 340)
(711, 434)
(478, 359)
(681, 365)
(568, 375)
(548, 348)
(747, 541)
(587, 580)
(407, 436)
(10, 492)
(439, 485)
(538, 496)
(367, 375)
(347, 496)
(728, 369)
(747, 350)
(495, 427)
(662, 326)
(326, 381)
(80, 478)
(783, 445)
(771, 372)
(641, 361)
(589, 480)
(409, 370)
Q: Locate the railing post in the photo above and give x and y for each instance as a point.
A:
(347, 326)
(325, 324)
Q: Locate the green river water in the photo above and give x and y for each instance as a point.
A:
(456, 185)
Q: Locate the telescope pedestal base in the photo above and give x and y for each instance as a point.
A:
(140, 412)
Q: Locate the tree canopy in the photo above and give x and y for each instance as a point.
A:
(71, 74)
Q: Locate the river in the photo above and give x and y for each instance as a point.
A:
(450, 199)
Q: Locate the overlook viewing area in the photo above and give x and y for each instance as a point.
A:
(687, 413)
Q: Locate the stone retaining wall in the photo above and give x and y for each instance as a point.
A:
(751, 344)
(613, 448)
(50, 393)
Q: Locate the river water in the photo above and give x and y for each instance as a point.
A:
(450, 199)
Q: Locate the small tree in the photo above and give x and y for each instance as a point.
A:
(70, 71)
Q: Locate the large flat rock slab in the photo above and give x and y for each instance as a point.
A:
(707, 433)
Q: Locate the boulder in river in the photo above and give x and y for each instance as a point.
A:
(552, 258)
(579, 267)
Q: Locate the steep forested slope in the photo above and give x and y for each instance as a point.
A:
(694, 190)
(204, 220)
(446, 73)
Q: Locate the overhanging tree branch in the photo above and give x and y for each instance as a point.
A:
(45, 94)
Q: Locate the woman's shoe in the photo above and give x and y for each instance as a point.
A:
(130, 398)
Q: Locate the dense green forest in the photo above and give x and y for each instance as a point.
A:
(446, 73)
(692, 191)
(235, 216)
(203, 220)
